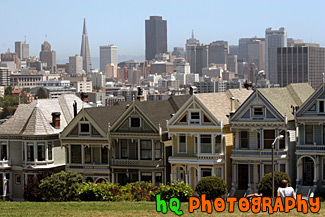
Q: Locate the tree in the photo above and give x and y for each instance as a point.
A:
(212, 187)
(41, 94)
(8, 91)
(265, 186)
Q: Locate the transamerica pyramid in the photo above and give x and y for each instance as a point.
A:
(85, 52)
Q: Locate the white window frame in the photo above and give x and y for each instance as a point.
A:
(258, 116)
(178, 143)
(212, 143)
(194, 121)
(84, 133)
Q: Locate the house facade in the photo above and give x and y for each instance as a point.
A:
(122, 143)
(265, 115)
(30, 144)
(201, 136)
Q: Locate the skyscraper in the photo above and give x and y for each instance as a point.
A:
(22, 50)
(218, 53)
(301, 63)
(273, 40)
(48, 56)
(85, 52)
(75, 65)
(107, 55)
(156, 36)
(256, 53)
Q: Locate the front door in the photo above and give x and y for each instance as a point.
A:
(308, 171)
(242, 176)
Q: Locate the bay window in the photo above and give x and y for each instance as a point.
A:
(217, 142)
(49, 149)
(158, 150)
(87, 154)
(30, 151)
(269, 136)
(124, 149)
(243, 139)
(206, 146)
(182, 143)
(309, 134)
(75, 153)
(146, 149)
(104, 155)
(4, 153)
(40, 152)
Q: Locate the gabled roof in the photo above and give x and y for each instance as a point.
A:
(35, 118)
(156, 111)
(284, 97)
(219, 104)
(311, 98)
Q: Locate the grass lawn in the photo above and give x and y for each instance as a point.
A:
(113, 209)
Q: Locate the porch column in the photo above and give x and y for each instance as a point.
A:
(213, 144)
(198, 173)
(25, 147)
(113, 178)
(298, 172)
(46, 151)
(139, 151)
(213, 171)
(249, 175)
(153, 180)
(277, 142)
(69, 147)
(82, 154)
(35, 152)
(139, 175)
(233, 174)
(315, 172)
(152, 150)
(198, 144)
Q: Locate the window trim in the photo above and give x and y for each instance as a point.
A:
(194, 121)
(178, 144)
(7, 150)
(240, 145)
(84, 133)
(258, 107)
(130, 122)
(212, 143)
(306, 136)
(318, 106)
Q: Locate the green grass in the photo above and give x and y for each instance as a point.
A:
(113, 209)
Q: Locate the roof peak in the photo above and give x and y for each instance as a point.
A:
(84, 31)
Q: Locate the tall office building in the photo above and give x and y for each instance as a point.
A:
(273, 40)
(243, 48)
(85, 52)
(218, 53)
(156, 36)
(190, 46)
(48, 56)
(301, 63)
(22, 50)
(75, 65)
(233, 50)
(199, 57)
(107, 55)
(232, 64)
(4, 76)
(256, 53)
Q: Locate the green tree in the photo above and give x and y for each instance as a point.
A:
(8, 91)
(212, 187)
(41, 94)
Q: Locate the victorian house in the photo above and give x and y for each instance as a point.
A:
(265, 115)
(30, 142)
(122, 143)
(310, 150)
(201, 137)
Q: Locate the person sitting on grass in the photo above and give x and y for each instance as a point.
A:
(251, 196)
(285, 190)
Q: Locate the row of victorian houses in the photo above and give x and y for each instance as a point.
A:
(184, 138)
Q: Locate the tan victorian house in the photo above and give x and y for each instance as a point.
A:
(123, 143)
(201, 136)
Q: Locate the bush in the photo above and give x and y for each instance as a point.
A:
(62, 186)
(100, 192)
(265, 186)
(141, 191)
(212, 187)
(176, 189)
(32, 191)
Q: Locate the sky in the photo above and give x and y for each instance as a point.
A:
(122, 22)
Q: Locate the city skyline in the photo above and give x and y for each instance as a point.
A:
(63, 31)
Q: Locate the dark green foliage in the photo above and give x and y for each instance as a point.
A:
(62, 186)
(32, 191)
(41, 94)
(176, 189)
(8, 91)
(212, 187)
(265, 186)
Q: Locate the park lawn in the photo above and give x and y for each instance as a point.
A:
(113, 209)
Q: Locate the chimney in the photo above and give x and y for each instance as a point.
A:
(75, 111)
(56, 120)
(84, 97)
(232, 105)
(248, 85)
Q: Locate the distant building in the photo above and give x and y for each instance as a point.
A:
(48, 56)
(300, 64)
(10, 59)
(83, 86)
(232, 65)
(243, 48)
(22, 50)
(2, 91)
(273, 40)
(25, 80)
(4, 76)
(107, 55)
(129, 64)
(75, 65)
(85, 51)
(98, 80)
(256, 53)
(233, 49)
(111, 71)
(161, 67)
(178, 52)
(218, 52)
(53, 83)
(198, 57)
(156, 36)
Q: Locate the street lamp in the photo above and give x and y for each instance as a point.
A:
(273, 143)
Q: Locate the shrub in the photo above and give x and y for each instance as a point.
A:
(265, 186)
(212, 187)
(141, 191)
(100, 192)
(176, 189)
(62, 186)
(32, 191)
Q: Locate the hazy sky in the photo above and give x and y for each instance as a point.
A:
(122, 22)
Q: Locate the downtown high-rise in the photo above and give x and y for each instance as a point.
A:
(156, 36)
(107, 55)
(85, 52)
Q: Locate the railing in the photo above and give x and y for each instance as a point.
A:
(88, 166)
(310, 148)
(127, 162)
(5, 163)
(260, 153)
(37, 163)
(209, 157)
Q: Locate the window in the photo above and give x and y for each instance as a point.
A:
(258, 111)
(49, 147)
(269, 136)
(4, 154)
(124, 148)
(267, 169)
(84, 128)
(219, 172)
(206, 172)
(184, 119)
(195, 145)
(87, 154)
(146, 149)
(104, 155)
(40, 151)
(158, 179)
(195, 116)
(30, 151)
(206, 119)
(309, 131)
(206, 144)
(158, 150)
(282, 168)
(146, 177)
(243, 139)
(135, 122)
(75, 153)
(282, 142)
(321, 106)
(258, 140)
(182, 143)
(217, 142)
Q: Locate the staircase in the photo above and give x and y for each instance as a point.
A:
(303, 190)
(239, 193)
